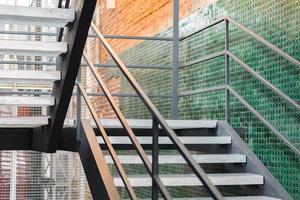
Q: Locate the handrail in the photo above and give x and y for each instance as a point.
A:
(247, 68)
(110, 147)
(252, 34)
(160, 120)
(127, 128)
(264, 41)
(264, 81)
(264, 121)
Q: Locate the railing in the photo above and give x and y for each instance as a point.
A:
(158, 120)
(229, 90)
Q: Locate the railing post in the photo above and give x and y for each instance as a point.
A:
(78, 96)
(175, 62)
(155, 154)
(227, 95)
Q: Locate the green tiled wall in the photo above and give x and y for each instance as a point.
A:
(276, 20)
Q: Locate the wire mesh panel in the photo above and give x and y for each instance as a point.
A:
(33, 175)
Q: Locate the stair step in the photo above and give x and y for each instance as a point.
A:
(234, 198)
(192, 180)
(177, 159)
(28, 76)
(229, 198)
(166, 140)
(27, 101)
(56, 17)
(23, 122)
(32, 48)
(147, 124)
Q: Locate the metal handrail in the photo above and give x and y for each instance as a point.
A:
(110, 147)
(160, 120)
(252, 34)
(263, 120)
(264, 81)
(128, 130)
(247, 68)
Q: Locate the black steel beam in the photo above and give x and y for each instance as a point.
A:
(16, 138)
(95, 166)
(69, 64)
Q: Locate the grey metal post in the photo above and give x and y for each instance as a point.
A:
(78, 95)
(227, 95)
(174, 103)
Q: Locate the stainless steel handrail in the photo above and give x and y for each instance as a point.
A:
(160, 120)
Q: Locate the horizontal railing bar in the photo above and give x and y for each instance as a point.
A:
(23, 93)
(10, 62)
(131, 66)
(84, 64)
(202, 91)
(74, 94)
(264, 121)
(127, 37)
(109, 36)
(202, 29)
(205, 58)
(128, 95)
(264, 81)
(196, 168)
(265, 42)
(29, 33)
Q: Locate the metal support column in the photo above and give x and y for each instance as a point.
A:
(227, 95)
(174, 103)
(155, 154)
(78, 106)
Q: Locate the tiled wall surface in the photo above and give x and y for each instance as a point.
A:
(276, 21)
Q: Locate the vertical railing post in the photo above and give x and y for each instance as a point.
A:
(175, 62)
(78, 96)
(155, 154)
(227, 95)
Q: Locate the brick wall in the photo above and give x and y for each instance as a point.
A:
(133, 18)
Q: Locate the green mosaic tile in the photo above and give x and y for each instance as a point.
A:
(278, 22)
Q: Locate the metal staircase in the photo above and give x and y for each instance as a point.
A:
(38, 17)
(72, 25)
(212, 152)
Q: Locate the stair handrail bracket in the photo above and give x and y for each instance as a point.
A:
(158, 118)
(228, 54)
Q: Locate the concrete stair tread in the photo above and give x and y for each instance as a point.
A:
(27, 101)
(32, 48)
(23, 122)
(166, 140)
(192, 180)
(56, 17)
(28, 76)
(229, 198)
(147, 124)
(177, 159)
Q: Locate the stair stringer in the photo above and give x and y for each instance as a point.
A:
(271, 186)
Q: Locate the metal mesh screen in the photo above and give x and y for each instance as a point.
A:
(34, 175)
